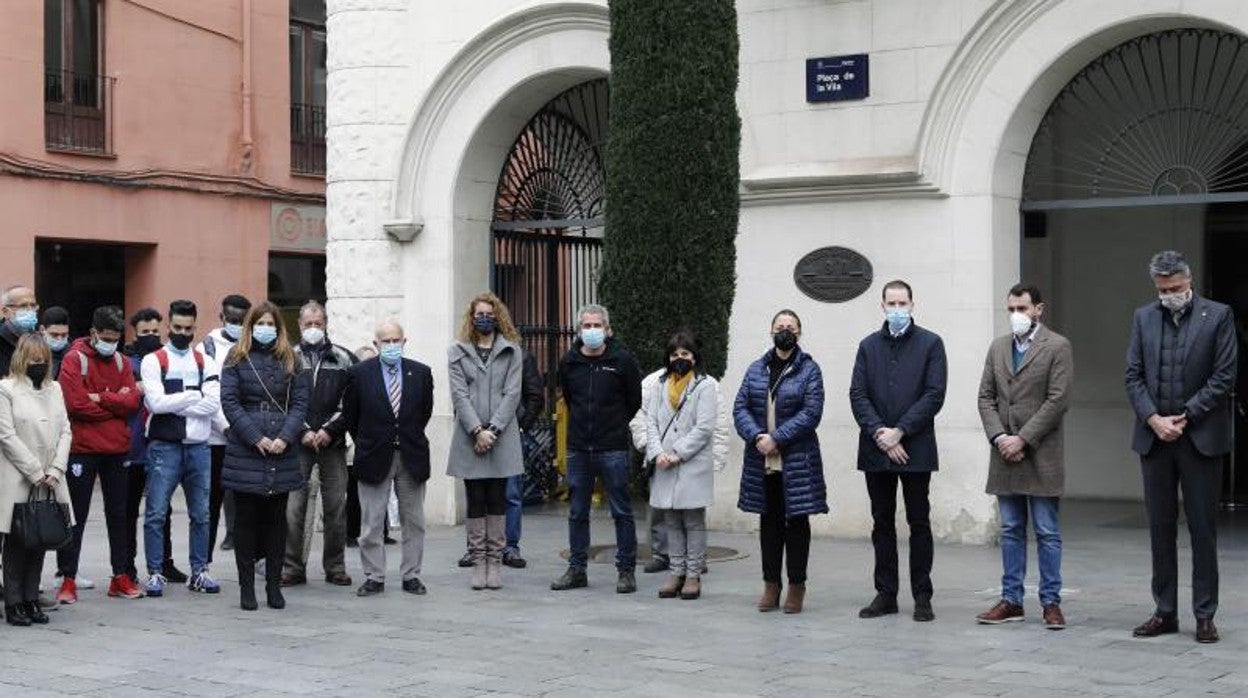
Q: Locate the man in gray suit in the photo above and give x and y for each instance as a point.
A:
(1180, 370)
(1023, 397)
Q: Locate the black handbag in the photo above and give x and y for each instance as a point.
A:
(42, 524)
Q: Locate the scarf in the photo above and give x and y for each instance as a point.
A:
(676, 388)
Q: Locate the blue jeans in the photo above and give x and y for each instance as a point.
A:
(170, 464)
(515, 509)
(615, 468)
(1014, 511)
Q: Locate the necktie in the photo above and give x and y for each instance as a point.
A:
(396, 390)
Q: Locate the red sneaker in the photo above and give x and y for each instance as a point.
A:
(123, 586)
(68, 593)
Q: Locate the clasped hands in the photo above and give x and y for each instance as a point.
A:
(666, 460)
(1168, 429)
(270, 447)
(1012, 448)
(888, 440)
(316, 440)
(484, 440)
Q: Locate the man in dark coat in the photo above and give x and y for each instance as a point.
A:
(1181, 366)
(897, 388)
(20, 312)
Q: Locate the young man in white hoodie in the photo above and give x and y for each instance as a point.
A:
(217, 345)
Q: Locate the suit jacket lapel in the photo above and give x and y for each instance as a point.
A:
(1152, 344)
(407, 374)
(1037, 345)
(1196, 322)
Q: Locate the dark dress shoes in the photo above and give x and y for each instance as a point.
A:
(1206, 631)
(467, 560)
(881, 605)
(370, 588)
(923, 612)
(16, 615)
(414, 586)
(37, 615)
(340, 579)
(1156, 625)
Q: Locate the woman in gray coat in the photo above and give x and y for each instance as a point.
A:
(682, 414)
(485, 368)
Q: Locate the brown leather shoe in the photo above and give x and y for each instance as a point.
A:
(1053, 618)
(692, 589)
(671, 588)
(293, 580)
(795, 598)
(1003, 612)
(341, 579)
(1206, 631)
(1156, 625)
(770, 600)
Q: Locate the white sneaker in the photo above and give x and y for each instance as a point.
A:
(83, 582)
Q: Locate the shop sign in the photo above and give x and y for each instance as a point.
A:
(295, 228)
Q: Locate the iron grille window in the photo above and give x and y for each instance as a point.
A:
(307, 86)
(77, 96)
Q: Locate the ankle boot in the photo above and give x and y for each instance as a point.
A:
(476, 549)
(246, 582)
(796, 596)
(36, 614)
(770, 600)
(495, 541)
(671, 588)
(274, 593)
(273, 582)
(16, 615)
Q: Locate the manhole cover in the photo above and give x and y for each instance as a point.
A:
(605, 554)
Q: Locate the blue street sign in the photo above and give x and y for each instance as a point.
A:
(837, 78)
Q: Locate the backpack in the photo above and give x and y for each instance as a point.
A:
(171, 427)
(117, 358)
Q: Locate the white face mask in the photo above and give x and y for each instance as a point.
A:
(312, 335)
(1020, 324)
(1175, 301)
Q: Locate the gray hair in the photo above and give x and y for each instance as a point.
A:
(594, 309)
(312, 307)
(6, 298)
(381, 326)
(1169, 263)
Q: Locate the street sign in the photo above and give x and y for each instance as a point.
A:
(837, 78)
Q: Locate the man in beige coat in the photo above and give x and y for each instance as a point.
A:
(1023, 397)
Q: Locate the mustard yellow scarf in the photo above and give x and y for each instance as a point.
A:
(676, 388)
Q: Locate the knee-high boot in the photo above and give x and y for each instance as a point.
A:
(495, 541)
(476, 548)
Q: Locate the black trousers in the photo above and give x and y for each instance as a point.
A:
(136, 479)
(779, 534)
(486, 497)
(22, 569)
(259, 533)
(882, 488)
(81, 474)
(1167, 469)
(353, 504)
(217, 499)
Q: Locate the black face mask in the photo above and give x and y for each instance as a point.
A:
(146, 344)
(179, 341)
(785, 340)
(679, 367)
(36, 373)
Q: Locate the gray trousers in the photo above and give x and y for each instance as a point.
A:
(686, 540)
(658, 532)
(331, 465)
(374, 499)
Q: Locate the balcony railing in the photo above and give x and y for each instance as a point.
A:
(307, 138)
(78, 112)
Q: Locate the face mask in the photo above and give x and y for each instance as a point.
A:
(57, 343)
(264, 334)
(105, 349)
(179, 341)
(679, 367)
(26, 320)
(391, 354)
(1175, 301)
(594, 337)
(313, 335)
(232, 332)
(484, 325)
(1020, 324)
(898, 318)
(784, 340)
(149, 343)
(36, 373)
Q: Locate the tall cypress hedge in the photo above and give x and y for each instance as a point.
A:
(672, 175)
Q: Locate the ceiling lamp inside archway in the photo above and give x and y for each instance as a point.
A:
(1162, 115)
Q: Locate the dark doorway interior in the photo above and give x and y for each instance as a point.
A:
(1226, 246)
(79, 277)
(295, 279)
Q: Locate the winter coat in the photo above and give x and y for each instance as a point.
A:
(99, 427)
(799, 408)
(260, 399)
(532, 394)
(9, 337)
(723, 423)
(690, 434)
(602, 393)
(218, 346)
(485, 393)
(1030, 403)
(327, 371)
(34, 441)
(899, 382)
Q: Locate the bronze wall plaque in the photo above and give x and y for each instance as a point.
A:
(833, 274)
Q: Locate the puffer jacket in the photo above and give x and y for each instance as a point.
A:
(260, 399)
(99, 427)
(799, 408)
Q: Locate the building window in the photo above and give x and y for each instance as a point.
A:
(77, 95)
(307, 86)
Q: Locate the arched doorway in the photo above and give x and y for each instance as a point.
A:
(1146, 148)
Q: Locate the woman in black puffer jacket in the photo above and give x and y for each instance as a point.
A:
(265, 399)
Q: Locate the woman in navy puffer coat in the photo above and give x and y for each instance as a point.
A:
(265, 399)
(778, 407)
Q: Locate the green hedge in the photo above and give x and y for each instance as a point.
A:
(672, 175)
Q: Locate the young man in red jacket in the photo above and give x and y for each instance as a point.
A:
(100, 397)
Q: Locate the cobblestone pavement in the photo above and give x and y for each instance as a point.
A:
(527, 640)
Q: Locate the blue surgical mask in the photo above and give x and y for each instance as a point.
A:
(26, 320)
(264, 334)
(391, 354)
(594, 337)
(105, 349)
(484, 324)
(232, 332)
(898, 318)
(57, 343)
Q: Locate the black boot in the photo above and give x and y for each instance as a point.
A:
(16, 615)
(247, 585)
(35, 613)
(273, 578)
(274, 591)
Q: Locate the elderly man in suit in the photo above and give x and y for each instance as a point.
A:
(1181, 366)
(1023, 397)
(386, 406)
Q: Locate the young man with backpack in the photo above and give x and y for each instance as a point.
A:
(217, 345)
